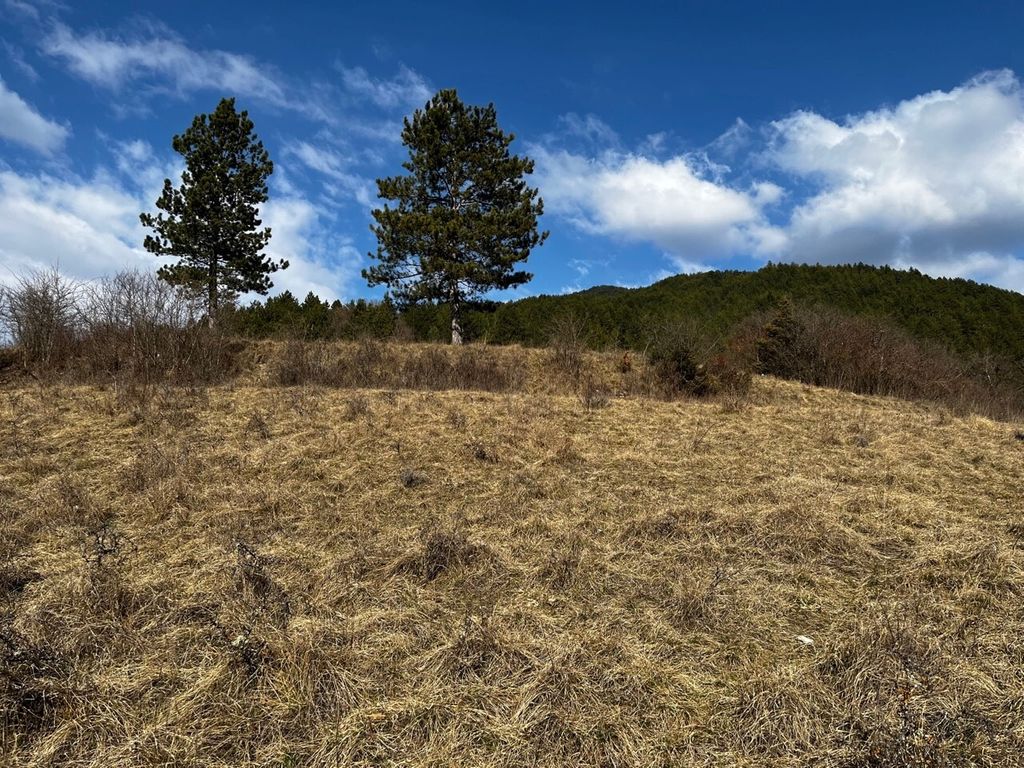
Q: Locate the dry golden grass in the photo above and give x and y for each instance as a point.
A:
(287, 577)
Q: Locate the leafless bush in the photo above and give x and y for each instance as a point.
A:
(410, 478)
(592, 395)
(144, 330)
(562, 562)
(356, 407)
(440, 548)
(568, 342)
(293, 366)
(259, 593)
(458, 421)
(34, 684)
(474, 369)
(257, 425)
(132, 328)
(694, 601)
(40, 314)
(481, 451)
(873, 356)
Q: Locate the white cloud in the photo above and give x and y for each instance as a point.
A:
(581, 266)
(86, 227)
(334, 166)
(319, 261)
(404, 90)
(17, 58)
(90, 227)
(936, 181)
(22, 124)
(669, 203)
(593, 129)
(113, 62)
(22, 8)
(735, 140)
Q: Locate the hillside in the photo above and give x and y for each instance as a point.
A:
(966, 316)
(283, 576)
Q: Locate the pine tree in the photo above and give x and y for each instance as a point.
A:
(464, 216)
(211, 224)
(777, 347)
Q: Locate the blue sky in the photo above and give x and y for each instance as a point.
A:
(668, 137)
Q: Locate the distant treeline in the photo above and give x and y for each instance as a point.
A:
(964, 316)
(138, 331)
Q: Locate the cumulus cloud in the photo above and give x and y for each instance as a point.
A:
(112, 62)
(671, 203)
(936, 181)
(320, 261)
(22, 124)
(90, 226)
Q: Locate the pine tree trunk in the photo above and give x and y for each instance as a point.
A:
(456, 310)
(211, 307)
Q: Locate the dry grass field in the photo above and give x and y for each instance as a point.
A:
(262, 575)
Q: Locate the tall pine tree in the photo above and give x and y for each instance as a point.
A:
(463, 216)
(211, 222)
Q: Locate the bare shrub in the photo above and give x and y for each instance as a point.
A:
(137, 325)
(261, 596)
(440, 548)
(293, 364)
(569, 343)
(474, 368)
(474, 648)
(104, 545)
(372, 361)
(372, 364)
(563, 561)
(458, 421)
(356, 407)
(40, 315)
(107, 552)
(695, 602)
(592, 396)
(481, 451)
(131, 328)
(34, 684)
(873, 356)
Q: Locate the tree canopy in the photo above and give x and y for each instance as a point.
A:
(210, 223)
(966, 317)
(463, 216)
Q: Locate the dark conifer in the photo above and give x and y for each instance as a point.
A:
(211, 224)
(463, 217)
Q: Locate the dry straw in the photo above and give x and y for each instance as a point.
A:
(286, 576)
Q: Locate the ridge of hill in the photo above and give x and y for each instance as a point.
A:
(966, 316)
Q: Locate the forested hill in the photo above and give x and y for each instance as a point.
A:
(965, 315)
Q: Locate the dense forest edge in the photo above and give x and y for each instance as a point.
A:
(964, 316)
